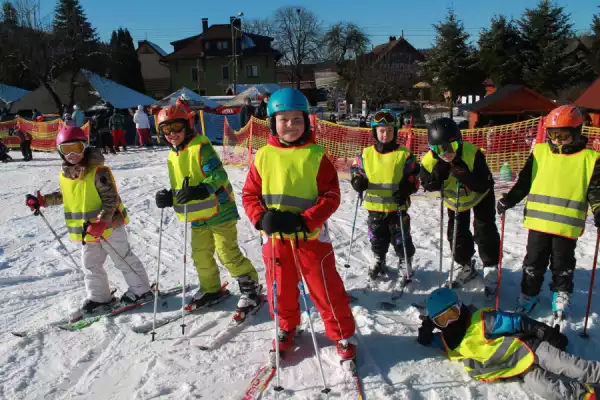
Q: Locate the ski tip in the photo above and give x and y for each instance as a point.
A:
(346, 265)
(204, 348)
(19, 334)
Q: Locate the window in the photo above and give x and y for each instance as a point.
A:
(252, 71)
(222, 45)
(225, 72)
(206, 45)
(194, 74)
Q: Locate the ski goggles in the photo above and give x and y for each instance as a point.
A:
(441, 149)
(383, 116)
(72, 147)
(558, 134)
(174, 126)
(447, 316)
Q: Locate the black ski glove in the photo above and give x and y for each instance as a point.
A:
(554, 337)
(189, 193)
(164, 198)
(503, 204)
(275, 221)
(460, 171)
(441, 171)
(425, 336)
(597, 218)
(359, 183)
(405, 189)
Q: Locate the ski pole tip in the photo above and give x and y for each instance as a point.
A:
(326, 391)
(584, 335)
(278, 388)
(346, 265)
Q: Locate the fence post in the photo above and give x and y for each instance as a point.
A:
(250, 140)
(202, 122)
(224, 137)
(409, 138)
(541, 132)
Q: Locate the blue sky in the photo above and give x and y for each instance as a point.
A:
(163, 21)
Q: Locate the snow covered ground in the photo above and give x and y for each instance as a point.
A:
(109, 361)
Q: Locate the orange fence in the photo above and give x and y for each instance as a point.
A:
(43, 133)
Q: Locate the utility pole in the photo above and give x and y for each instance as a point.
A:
(234, 50)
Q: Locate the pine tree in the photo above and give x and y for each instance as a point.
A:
(71, 23)
(125, 67)
(595, 50)
(499, 52)
(545, 32)
(452, 64)
(9, 14)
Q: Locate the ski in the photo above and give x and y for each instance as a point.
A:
(350, 367)
(259, 382)
(147, 327)
(235, 326)
(87, 321)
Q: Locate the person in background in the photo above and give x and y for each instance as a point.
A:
(142, 126)
(104, 137)
(25, 143)
(261, 110)
(37, 116)
(78, 116)
(246, 112)
(4, 157)
(117, 127)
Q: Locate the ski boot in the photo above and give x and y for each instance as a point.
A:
(560, 305)
(525, 304)
(405, 270)
(202, 300)
(249, 299)
(490, 278)
(285, 341)
(89, 307)
(346, 349)
(463, 274)
(377, 269)
(129, 298)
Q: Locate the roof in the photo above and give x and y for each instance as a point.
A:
(590, 99)
(118, 95)
(383, 49)
(252, 91)
(157, 48)
(195, 100)
(512, 99)
(8, 94)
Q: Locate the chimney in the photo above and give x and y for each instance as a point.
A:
(204, 25)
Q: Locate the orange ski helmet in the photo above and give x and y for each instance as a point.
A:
(171, 114)
(565, 117)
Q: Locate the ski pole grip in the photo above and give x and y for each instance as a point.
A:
(85, 226)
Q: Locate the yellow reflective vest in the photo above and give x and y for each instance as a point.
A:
(557, 200)
(289, 178)
(490, 359)
(384, 172)
(188, 163)
(467, 198)
(82, 203)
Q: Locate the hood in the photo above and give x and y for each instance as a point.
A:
(93, 157)
(274, 140)
(572, 148)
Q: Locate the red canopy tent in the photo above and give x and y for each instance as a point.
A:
(590, 101)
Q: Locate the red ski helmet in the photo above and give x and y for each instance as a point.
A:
(69, 134)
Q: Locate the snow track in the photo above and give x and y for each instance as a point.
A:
(108, 360)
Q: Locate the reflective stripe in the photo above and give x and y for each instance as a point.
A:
(485, 368)
(548, 216)
(383, 186)
(202, 205)
(75, 229)
(287, 200)
(450, 198)
(82, 215)
(557, 201)
(380, 199)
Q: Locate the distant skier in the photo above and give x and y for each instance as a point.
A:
(453, 164)
(4, 157)
(88, 192)
(389, 173)
(291, 191)
(560, 178)
(500, 346)
(211, 209)
(117, 127)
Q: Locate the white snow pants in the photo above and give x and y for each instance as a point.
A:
(93, 256)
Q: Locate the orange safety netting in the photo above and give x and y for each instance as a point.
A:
(43, 133)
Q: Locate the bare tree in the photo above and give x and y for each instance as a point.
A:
(380, 84)
(298, 36)
(262, 27)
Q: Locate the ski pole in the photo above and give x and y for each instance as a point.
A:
(185, 234)
(502, 220)
(455, 225)
(121, 257)
(358, 202)
(278, 387)
(39, 212)
(406, 260)
(307, 309)
(441, 234)
(589, 303)
(153, 333)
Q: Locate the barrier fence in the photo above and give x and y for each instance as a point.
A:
(43, 134)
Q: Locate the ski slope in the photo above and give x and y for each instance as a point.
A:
(108, 360)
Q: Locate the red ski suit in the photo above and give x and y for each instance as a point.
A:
(316, 257)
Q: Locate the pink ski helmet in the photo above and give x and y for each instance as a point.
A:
(69, 134)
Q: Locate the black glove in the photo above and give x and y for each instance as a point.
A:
(164, 198)
(597, 218)
(275, 221)
(503, 204)
(441, 171)
(359, 183)
(405, 189)
(554, 337)
(425, 336)
(460, 171)
(189, 193)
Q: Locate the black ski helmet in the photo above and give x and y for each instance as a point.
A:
(443, 131)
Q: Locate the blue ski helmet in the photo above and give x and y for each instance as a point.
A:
(384, 117)
(288, 99)
(440, 300)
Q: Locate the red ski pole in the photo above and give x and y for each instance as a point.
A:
(589, 303)
(502, 219)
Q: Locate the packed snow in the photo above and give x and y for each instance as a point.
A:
(107, 360)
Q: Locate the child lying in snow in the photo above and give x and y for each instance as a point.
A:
(500, 345)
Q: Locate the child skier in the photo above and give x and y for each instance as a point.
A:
(291, 190)
(559, 179)
(89, 195)
(453, 165)
(199, 181)
(390, 174)
(498, 345)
